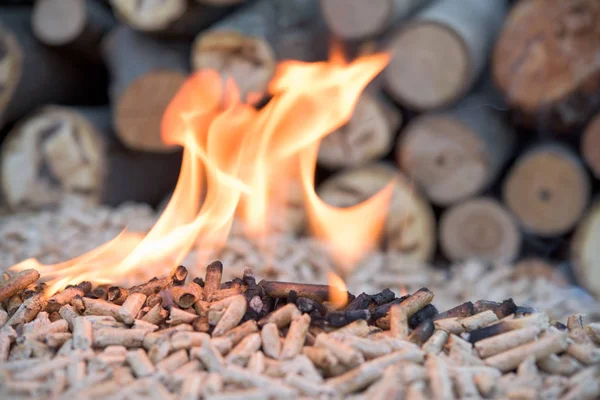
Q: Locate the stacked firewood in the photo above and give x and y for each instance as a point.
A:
(176, 337)
(485, 113)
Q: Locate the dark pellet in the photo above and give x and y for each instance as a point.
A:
(425, 313)
(462, 310)
(385, 296)
(361, 302)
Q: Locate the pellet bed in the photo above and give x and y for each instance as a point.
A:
(174, 337)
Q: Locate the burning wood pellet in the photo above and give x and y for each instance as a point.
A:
(17, 282)
(217, 346)
(185, 296)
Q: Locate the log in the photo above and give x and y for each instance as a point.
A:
(410, 223)
(33, 74)
(367, 137)
(60, 150)
(146, 74)
(584, 250)
(171, 18)
(441, 52)
(76, 26)
(359, 19)
(457, 153)
(547, 189)
(590, 146)
(479, 229)
(545, 62)
(246, 44)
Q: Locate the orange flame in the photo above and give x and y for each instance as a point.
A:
(238, 155)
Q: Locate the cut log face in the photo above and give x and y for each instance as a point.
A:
(149, 15)
(146, 74)
(458, 153)
(61, 150)
(360, 19)
(366, 137)
(545, 61)
(357, 19)
(250, 61)
(73, 25)
(57, 22)
(410, 224)
(437, 57)
(547, 189)
(47, 154)
(479, 229)
(139, 110)
(584, 250)
(247, 43)
(590, 146)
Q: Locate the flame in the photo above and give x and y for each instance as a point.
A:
(338, 292)
(240, 157)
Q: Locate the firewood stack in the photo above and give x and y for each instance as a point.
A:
(488, 113)
(177, 337)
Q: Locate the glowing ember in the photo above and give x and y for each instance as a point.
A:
(239, 156)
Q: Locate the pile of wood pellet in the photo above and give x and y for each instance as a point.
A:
(177, 337)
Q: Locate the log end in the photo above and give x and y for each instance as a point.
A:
(139, 110)
(53, 152)
(58, 22)
(584, 251)
(366, 137)
(590, 146)
(410, 223)
(548, 190)
(357, 19)
(11, 64)
(149, 15)
(430, 66)
(445, 157)
(250, 61)
(479, 229)
(545, 60)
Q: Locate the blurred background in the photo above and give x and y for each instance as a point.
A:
(487, 114)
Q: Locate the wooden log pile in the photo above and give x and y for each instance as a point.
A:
(488, 113)
(177, 337)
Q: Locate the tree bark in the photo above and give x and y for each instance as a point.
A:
(368, 136)
(584, 250)
(146, 73)
(246, 44)
(410, 223)
(76, 26)
(457, 153)
(442, 51)
(35, 75)
(590, 146)
(360, 19)
(60, 150)
(546, 62)
(479, 229)
(171, 18)
(547, 189)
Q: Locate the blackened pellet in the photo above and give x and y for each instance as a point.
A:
(385, 296)
(425, 313)
(292, 297)
(422, 332)
(461, 311)
(342, 318)
(488, 331)
(506, 308)
(361, 302)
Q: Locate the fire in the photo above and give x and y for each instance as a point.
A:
(237, 156)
